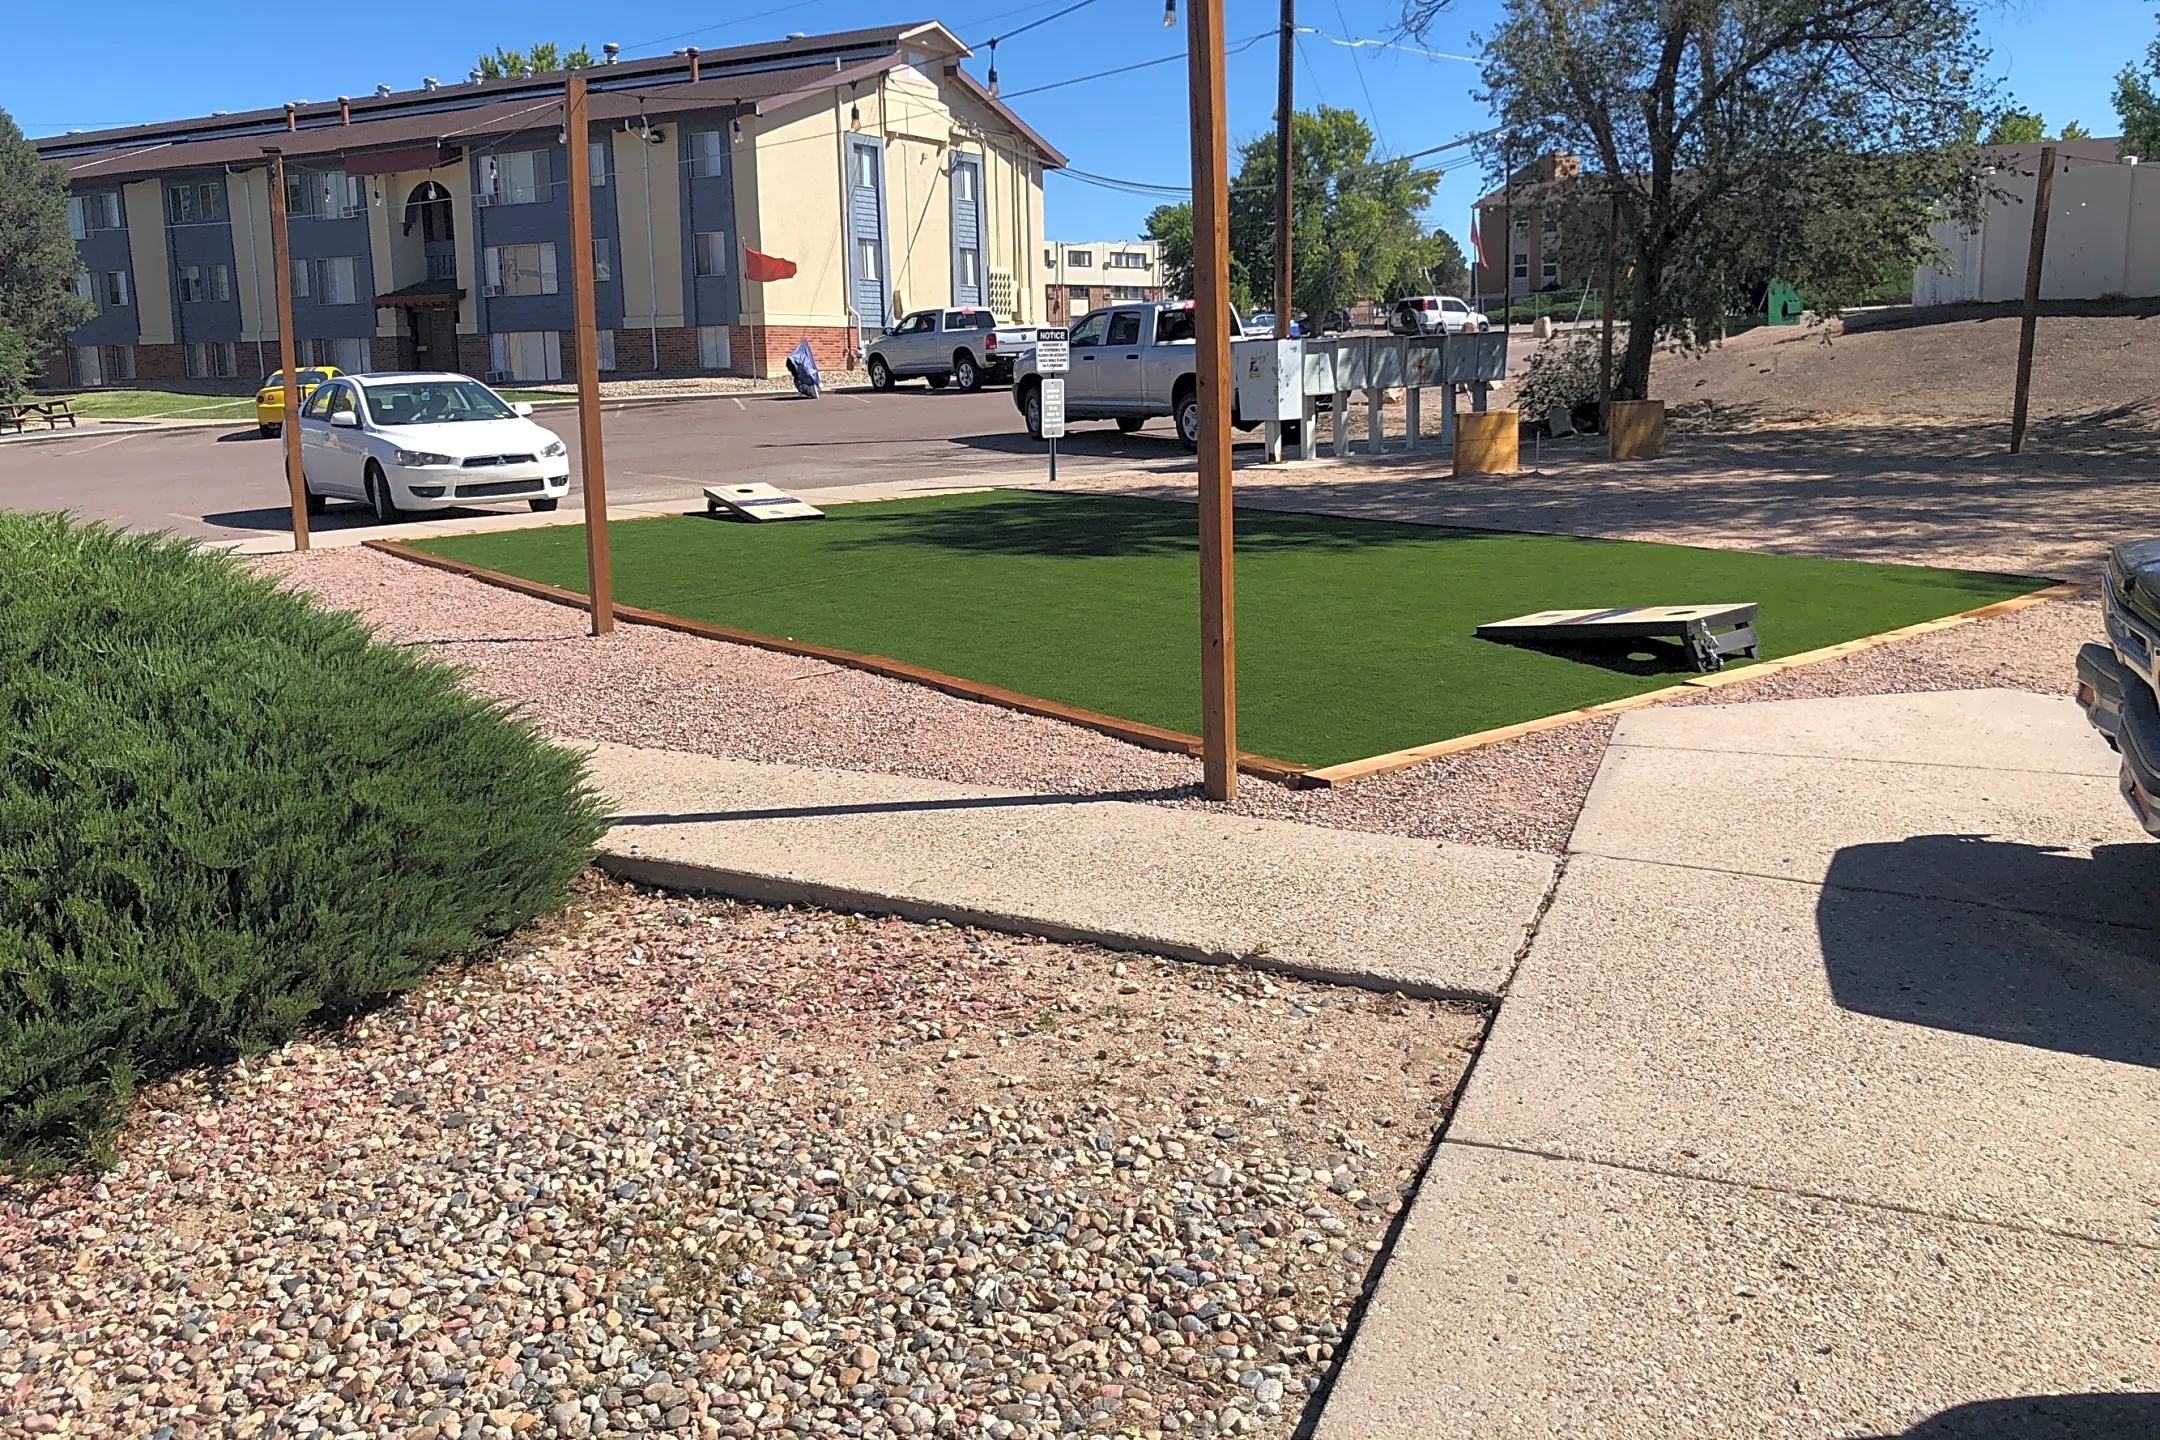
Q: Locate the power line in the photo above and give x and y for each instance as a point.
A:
(1386, 45)
(996, 40)
(1237, 48)
(725, 24)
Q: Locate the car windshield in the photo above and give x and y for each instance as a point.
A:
(305, 377)
(435, 402)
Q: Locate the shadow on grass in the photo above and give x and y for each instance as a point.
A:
(1622, 657)
(1080, 526)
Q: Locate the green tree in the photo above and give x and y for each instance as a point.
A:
(1434, 266)
(2017, 127)
(2074, 131)
(38, 263)
(2137, 102)
(1170, 227)
(544, 58)
(1813, 140)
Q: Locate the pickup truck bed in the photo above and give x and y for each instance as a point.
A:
(962, 345)
(1128, 363)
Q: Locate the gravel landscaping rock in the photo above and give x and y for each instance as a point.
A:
(697, 1168)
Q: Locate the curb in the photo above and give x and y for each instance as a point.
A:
(762, 889)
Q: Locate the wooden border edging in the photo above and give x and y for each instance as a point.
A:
(1403, 759)
(1152, 737)
(763, 889)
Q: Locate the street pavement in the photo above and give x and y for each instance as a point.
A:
(228, 483)
(1826, 1101)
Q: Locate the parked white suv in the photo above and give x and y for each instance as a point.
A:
(1435, 315)
(425, 442)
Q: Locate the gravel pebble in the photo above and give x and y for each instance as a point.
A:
(699, 1168)
(645, 686)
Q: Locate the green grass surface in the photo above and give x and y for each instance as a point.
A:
(1354, 637)
(160, 405)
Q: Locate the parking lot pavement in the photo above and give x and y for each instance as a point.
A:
(229, 483)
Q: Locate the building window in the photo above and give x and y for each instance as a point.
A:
(1127, 260)
(708, 154)
(867, 265)
(515, 177)
(199, 283)
(712, 252)
(1128, 292)
(1080, 259)
(518, 270)
(116, 287)
(86, 287)
(970, 269)
(331, 280)
(1549, 225)
(1549, 272)
(596, 161)
(604, 351)
(102, 364)
(1049, 259)
(1522, 224)
(603, 264)
(217, 360)
(202, 204)
(349, 354)
(528, 355)
(865, 168)
(963, 184)
(93, 212)
(323, 194)
(1522, 265)
(713, 352)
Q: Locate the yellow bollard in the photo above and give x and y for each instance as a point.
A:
(1635, 430)
(1487, 442)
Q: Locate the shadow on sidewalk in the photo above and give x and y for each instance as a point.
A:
(2018, 943)
(2129, 1416)
(906, 807)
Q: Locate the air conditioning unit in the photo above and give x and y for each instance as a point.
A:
(489, 292)
(350, 212)
(483, 199)
(499, 377)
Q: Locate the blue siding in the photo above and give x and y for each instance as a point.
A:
(103, 250)
(967, 228)
(708, 204)
(205, 243)
(326, 237)
(867, 291)
(544, 221)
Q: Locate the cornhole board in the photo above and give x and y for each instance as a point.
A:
(757, 502)
(1709, 633)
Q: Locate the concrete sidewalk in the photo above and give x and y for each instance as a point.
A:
(1373, 910)
(1827, 1101)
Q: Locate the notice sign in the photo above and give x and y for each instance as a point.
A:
(1053, 407)
(1053, 356)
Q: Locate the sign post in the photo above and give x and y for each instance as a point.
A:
(1053, 357)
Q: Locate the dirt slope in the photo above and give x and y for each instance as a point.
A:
(2096, 362)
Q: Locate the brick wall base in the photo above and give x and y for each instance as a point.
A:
(762, 350)
(160, 362)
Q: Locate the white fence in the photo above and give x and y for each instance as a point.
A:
(2103, 239)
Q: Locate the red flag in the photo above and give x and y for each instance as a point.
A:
(766, 268)
(1477, 242)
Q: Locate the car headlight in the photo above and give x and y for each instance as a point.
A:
(414, 459)
(557, 448)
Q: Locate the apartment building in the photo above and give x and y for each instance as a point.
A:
(1519, 250)
(1079, 277)
(744, 200)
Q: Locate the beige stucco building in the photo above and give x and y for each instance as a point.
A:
(743, 201)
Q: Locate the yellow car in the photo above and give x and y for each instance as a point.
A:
(270, 400)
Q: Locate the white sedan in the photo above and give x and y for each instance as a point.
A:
(401, 443)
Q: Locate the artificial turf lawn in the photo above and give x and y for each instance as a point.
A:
(1354, 636)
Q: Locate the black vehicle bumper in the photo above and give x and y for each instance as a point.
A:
(2121, 706)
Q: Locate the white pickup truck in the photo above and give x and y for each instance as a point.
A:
(1129, 362)
(962, 345)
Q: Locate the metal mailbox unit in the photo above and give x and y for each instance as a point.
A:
(1283, 380)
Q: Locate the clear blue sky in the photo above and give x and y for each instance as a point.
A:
(94, 63)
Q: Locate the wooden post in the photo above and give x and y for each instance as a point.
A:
(1211, 377)
(2043, 198)
(1612, 280)
(288, 355)
(585, 316)
(1285, 84)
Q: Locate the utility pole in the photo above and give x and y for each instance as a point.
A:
(1211, 377)
(1285, 82)
(1612, 280)
(577, 140)
(289, 359)
(2043, 198)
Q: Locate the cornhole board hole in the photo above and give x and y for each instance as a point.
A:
(757, 502)
(1708, 633)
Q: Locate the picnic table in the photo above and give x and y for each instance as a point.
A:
(52, 412)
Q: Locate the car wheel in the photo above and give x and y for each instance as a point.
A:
(271, 432)
(1188, 419)
(544, 502)
(1130, 423)
(315, 503)
(880, 373)
(965, 372)
(938, 382)
(1031, 408)
(378, 492)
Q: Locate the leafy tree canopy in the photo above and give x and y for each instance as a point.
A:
(2022, 127)
(38, 263)
(2137, 102)
(544, 58)
(1811, 140)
